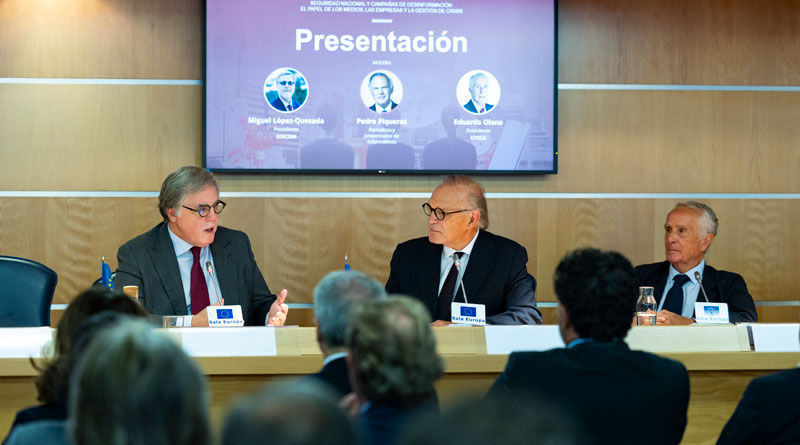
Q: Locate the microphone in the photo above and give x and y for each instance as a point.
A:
(457, 264)
(217, 292)
(700, 282)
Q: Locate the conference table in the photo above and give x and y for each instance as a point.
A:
(721, 359)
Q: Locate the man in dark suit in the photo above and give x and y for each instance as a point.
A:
(334, 295)
(768, 411)
(169, 262)
(381, 88)
(393, 365)
(618, 395)
(285, 86)
(689, 231)
(479, 91)
(492, 268)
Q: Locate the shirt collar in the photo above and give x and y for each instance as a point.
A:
(381, 109)
(449, 251)
(333, 357)
(690, 273)
(178, 244)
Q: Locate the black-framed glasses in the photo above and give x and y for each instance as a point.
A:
(439, 213)
(204, 210)
(285, 82)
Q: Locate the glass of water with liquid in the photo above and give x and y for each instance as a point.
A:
(646, 307)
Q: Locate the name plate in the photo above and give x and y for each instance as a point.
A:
(711, 313)
(225, 316)
(465, 313)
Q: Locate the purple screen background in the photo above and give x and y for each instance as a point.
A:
(246, 40)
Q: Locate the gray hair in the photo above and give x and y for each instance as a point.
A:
(475, 76)
(183, 181)
(334, 295)
(381, 73)
(393, 349)
(708, 219)
(476, 198)
(135, 386)
(286, 73)
(264, 415)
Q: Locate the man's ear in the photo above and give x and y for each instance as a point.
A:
(706, 241)
(474, 217)
(172, 215)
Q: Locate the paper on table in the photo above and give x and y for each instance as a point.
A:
(228, 342)
(24, 342)
(507, 339)
(776, 337)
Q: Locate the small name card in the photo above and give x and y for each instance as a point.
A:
(225, 316)
(711, 313)
(465, 313)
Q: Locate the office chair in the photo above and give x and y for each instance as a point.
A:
(26, 291)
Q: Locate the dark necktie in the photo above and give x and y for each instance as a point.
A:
(448, 289)
(198, 290)
(482, 110)
(674, 301)
(289, 107)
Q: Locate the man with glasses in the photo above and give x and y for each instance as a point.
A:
(170, 263)
(491, 268)
(285, 84)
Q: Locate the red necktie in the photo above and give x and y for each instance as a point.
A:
(198, 290)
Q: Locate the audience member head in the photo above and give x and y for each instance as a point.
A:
(688, 233)
(597, 295)
(507, 420)
(334, 295)
(392, 349)
(135, 386)
(266, 417)
(53, 382)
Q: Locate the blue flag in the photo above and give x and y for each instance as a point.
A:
(346, 264)
(105, 275)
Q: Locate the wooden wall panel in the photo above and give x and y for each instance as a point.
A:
(96, 137)
(695, 42)
(66, 137)
(101, 38)
(296, 241)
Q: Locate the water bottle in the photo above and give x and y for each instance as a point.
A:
(646, 307)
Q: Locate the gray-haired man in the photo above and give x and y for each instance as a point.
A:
(169, 262)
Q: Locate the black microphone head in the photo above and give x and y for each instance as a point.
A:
(208, 267)
(697, 276)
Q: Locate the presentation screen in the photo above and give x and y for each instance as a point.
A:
(380, 86)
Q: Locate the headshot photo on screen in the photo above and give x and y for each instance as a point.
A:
(286, 90)
(381, 91)
(478, 91)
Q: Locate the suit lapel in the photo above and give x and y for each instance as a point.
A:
(659, 281)
(163, 255)
(481, 260)
(710, 285)
(223, 262)
(428, 271)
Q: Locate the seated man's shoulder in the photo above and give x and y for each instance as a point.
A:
(146, 238)
(414, 243)
(502, 241)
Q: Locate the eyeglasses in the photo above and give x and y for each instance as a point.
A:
(285, 82)
(439, 213)
(204, 210)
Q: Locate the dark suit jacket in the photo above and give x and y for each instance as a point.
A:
(496, 277)
(617, 395)
(335, 374)
(470, 106)
(721, 287)
(49, 411)
(149, 261)
(278, 104)
(384, 420)
(374, 107)
(768, 412)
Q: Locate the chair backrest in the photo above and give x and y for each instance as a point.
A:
(26, 292)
